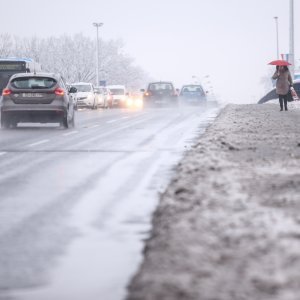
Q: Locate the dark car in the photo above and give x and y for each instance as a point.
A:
(272, 94)
(41, 97)
(192, 94)
(160, 93)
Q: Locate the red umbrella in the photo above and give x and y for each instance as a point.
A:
(280, 63)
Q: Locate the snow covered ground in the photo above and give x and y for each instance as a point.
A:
(228, 226)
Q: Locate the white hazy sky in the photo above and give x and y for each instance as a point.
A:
(231, 40)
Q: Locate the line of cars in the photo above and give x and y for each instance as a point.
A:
(164, 94)
(91, 97)
(45, 97)
(88, 96)
(160, 93)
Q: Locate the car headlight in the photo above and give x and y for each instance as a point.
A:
(138, 102)
(129, 102)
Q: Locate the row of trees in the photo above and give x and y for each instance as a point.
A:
(74, 57)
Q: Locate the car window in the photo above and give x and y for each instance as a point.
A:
(117, 91)
(83, 87)
(33, 83)
(160, 86)
(192, 89)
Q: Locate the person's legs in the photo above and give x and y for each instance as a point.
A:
(281, 102)
(285, 98)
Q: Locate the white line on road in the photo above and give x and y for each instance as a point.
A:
(111, 121)
(70, 133)
(95, 126)
(2, 153)
(116, 120)
(39, 143)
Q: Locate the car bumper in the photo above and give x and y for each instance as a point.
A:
(84, 102)
(161, 101)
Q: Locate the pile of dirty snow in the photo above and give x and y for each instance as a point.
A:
(228, 226)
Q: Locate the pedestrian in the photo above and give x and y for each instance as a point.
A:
(283, 84)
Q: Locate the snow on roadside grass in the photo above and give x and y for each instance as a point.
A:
(228, 225)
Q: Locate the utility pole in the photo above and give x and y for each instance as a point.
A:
(97, 25)
(292, 47)
(277, 36)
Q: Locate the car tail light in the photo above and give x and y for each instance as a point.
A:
(148, 94)
(6, 92)
(59, 92)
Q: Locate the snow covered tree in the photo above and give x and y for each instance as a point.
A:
(75, 58)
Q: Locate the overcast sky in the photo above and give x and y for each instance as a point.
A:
(230, 40)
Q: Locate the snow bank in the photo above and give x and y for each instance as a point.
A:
(228, 226)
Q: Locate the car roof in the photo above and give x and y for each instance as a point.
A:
(158, 82)
(192, 85)
(116, 86)
(40, 74)
(81, 83)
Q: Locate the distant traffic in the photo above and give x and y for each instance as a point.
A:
(29, 95)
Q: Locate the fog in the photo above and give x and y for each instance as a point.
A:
(232, 41)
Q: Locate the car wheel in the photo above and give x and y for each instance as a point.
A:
(4, 121)
(14, 123)
(65, 121)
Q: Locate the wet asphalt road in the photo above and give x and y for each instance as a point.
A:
(75, 205)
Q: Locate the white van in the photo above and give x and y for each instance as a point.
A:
(119, 95)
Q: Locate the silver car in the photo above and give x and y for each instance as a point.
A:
(37, 97)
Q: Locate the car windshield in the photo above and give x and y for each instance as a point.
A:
(34, 83)
(192, 89)
(117, 91)
(160, 86)
(83, 87)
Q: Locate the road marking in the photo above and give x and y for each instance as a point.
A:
(39, 143)
(112, 121)
(95, 126)
(2, 153)
(70, 133)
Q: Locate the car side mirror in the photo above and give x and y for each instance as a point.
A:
(142, 90)
(72, 90)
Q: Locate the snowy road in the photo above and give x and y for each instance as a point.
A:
(75, 205)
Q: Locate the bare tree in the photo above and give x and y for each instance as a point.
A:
(74, 57)
(6, 45)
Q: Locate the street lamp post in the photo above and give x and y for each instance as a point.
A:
(277, 36)
(97, 25)
(292, 54)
